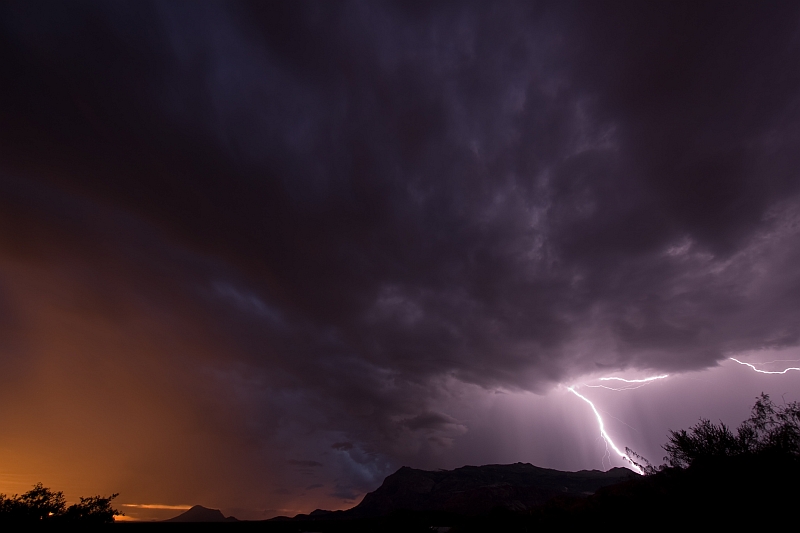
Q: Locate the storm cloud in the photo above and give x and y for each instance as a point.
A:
(306, 228)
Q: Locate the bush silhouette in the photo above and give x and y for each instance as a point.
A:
(42, 505)
(713, 478)
(770, 432)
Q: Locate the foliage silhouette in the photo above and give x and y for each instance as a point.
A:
(770, 431)
(713, 477)
(42, 505)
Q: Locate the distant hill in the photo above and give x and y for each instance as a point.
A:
(198, 513)
(475, 490)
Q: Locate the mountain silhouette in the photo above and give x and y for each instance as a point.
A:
(198, 513)
(475, 490)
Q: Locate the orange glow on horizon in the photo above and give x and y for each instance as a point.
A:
(156, 506)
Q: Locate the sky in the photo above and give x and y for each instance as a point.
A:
(259, 255)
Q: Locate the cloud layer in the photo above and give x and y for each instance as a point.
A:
(296, 236)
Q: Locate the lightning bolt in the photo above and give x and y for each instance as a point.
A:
(643, 380)
(603, 433)
(637, 383)
(763, 371)
(778, 361)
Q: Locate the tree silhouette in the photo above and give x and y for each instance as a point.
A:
(770, 431)
(713, 478)
(41, 504)
(94, 509)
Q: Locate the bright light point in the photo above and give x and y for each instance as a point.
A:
(603, 433)
(763, 371)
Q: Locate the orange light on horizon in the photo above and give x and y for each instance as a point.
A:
(157, 506)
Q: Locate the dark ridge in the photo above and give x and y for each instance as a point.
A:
(198, 513)
(475, 490)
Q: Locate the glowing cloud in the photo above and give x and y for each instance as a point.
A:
(157, 506)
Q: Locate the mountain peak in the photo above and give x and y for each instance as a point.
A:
(476, 490)
(198, 513)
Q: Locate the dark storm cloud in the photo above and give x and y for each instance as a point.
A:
(365, 200)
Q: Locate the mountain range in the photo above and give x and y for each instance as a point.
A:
(465, 491)
(475, 490)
